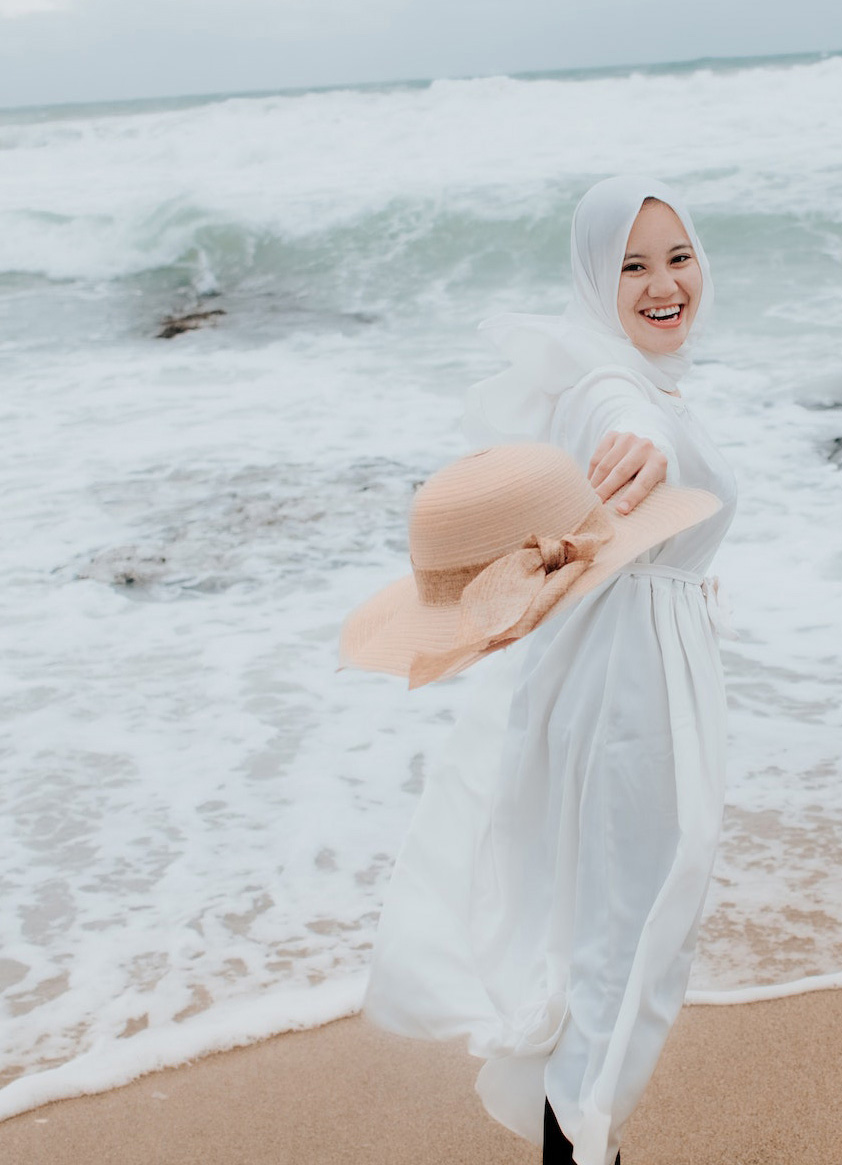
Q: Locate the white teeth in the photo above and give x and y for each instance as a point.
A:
(663, 313)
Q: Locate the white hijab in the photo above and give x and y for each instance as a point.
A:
(549, 354)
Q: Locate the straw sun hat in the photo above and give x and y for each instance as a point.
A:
(500, 541)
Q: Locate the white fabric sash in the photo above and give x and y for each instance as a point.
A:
(716, 601)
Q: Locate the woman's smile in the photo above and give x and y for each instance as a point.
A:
(663, 317)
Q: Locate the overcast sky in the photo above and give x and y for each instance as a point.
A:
(94, 50)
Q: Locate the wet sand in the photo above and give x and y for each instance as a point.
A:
(754, 1084)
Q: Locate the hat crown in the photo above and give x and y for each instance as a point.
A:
(488, 503)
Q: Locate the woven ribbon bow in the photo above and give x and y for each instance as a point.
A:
(509, 598)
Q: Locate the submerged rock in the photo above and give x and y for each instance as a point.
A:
(821, 405)
(125, 566)
(822, 393)
(175, 325)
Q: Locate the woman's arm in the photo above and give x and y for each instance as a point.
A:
(617, 435)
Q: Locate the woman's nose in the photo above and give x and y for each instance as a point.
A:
(662, 283)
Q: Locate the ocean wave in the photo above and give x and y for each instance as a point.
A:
(259, 182)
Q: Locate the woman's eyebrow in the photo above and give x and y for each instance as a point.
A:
(677, 247)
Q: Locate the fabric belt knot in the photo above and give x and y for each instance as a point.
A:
(716, 603)
(719, 608)
(510, 596)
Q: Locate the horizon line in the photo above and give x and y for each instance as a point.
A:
(417, 82)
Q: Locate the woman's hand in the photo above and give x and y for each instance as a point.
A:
(620, 458)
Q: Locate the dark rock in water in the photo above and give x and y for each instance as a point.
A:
(125, 566)
(822, 394)
(834, 449)
(203, 530)
(821, 406)
(175, 325)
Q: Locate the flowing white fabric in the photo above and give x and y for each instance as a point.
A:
(547, 898)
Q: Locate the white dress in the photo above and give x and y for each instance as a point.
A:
(547, 898)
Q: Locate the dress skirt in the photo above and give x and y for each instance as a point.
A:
(546, 902)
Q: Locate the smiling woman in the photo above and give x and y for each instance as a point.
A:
(547, 900)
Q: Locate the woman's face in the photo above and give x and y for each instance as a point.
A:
(660, 281)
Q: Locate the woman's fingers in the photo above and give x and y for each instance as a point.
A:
(643, 484)
(620, 473)
(613, 450)
(621, 458)
(602, 462)
(616, 459)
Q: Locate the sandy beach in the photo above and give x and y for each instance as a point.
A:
(737, 1085)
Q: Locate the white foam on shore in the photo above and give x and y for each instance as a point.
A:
(111, 1064)
(765, 994)
(237, 1024)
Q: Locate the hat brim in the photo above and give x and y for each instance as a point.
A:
(390, 629)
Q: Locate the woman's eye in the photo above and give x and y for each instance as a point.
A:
(633, 267)
(681, 258)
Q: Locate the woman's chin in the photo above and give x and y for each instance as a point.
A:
(662, 349)
(660, 343)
